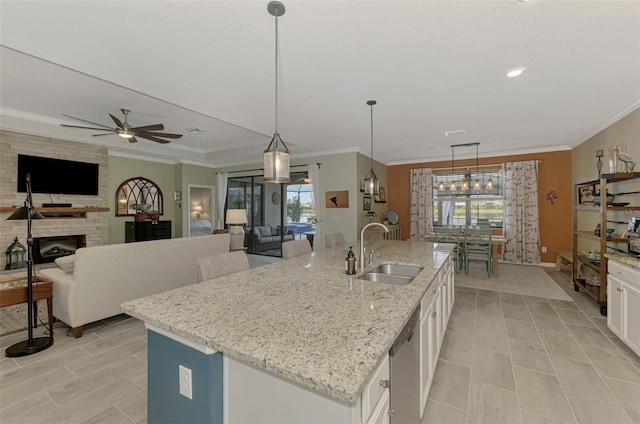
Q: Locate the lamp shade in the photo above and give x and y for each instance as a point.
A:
(23, 213)
(276, 161)
(236, 216)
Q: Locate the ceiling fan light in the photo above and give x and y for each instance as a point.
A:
(125, 134)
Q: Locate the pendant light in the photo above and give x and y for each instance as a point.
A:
(371, 182)
(476, 183)
(276, 156)
(452, 186)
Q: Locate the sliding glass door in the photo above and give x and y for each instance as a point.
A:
(275, 212)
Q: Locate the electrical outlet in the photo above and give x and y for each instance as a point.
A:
(544, 249)
(185, 382)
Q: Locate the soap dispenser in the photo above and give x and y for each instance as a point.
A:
(351, 262)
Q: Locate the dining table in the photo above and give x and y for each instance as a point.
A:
(497, 240)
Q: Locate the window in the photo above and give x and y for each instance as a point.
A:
(467, 206)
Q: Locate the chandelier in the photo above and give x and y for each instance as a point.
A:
(466, 181)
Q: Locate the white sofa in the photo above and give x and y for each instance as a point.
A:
(104, 277)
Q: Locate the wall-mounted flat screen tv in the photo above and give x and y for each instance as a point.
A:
(57, 176)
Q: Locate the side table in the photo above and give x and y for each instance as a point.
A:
(14, 292)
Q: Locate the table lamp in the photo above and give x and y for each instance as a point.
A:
(31, 345)
(197, 209)
(235, 219)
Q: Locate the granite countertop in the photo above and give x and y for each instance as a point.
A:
(303, 319)
(624, 259)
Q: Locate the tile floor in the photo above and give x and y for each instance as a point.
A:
(505, 358)
(509, 358)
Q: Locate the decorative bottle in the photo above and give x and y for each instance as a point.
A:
(350, 266)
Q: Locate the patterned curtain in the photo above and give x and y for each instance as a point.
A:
(421, 203)
(521, 212)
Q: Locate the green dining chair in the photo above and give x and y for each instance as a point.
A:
(477, 247)
(451, 235)
(483, 223)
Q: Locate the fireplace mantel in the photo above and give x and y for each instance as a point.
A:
(61, 213)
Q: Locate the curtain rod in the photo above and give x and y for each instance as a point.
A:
(262, 169)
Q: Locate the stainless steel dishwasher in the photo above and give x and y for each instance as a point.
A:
(404, 368)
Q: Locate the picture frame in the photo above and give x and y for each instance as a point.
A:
(337, 199)
(381, 196)
(585, 194)
(366, 203)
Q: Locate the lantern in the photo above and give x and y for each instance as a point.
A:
(16, 255)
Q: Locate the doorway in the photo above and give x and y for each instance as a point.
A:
(201, 210)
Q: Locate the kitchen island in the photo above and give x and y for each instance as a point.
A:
(299, 335)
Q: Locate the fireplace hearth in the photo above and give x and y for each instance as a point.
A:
(48, 249)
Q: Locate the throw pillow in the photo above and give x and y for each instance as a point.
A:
(264, 231)
(66, 263)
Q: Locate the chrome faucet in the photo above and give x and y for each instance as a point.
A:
(362, 254)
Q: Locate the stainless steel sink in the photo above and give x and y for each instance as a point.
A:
(395, 269)
(392, 274)
(386, 278)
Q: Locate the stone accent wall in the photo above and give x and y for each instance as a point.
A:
(94, 226)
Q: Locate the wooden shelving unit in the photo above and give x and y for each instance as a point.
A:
(597, 293)
(61, 213)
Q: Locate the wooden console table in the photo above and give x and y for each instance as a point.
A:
(14, 292)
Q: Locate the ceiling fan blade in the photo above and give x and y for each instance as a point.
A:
(166, 135)
(152, 138)
(155, 127)
(88, 128)
(84, 120)
(117, 121)
(109, 133)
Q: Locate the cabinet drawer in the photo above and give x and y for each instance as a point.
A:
(624, 273)
(374, 389)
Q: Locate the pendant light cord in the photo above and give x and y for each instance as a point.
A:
(276, 85)
(371, 158)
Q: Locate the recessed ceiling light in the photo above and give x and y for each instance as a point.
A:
(511, 73)
(456, 132)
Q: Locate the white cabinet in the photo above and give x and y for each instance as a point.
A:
(614, 300)
(623, 303)
(376, 392)
(436, 306)
(380, 414)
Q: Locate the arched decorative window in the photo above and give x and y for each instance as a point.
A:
(139, 195)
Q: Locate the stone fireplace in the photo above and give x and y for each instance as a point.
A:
(92, 224)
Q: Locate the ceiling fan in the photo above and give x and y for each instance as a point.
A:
(124, 130)
(304, 179)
